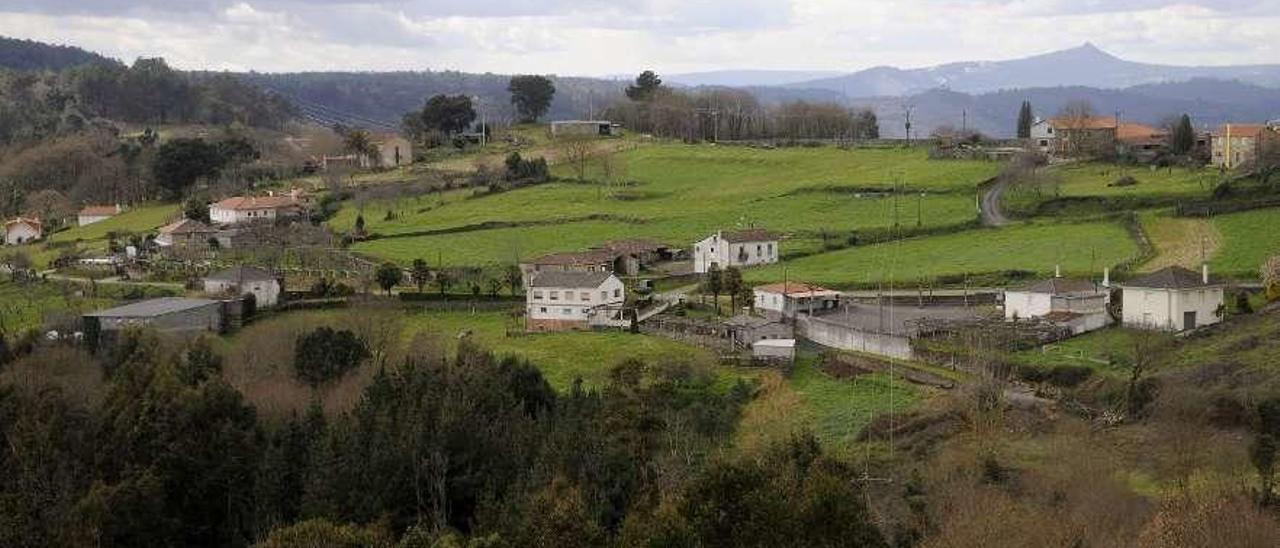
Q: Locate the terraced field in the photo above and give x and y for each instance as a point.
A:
(1248, 239)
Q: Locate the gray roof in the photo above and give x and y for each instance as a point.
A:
(749, 235)
(152, 307)
(1060, 286)
(1172, 277)
(241, 274)
(750, 322)
(569, 279)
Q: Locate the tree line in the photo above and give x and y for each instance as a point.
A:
(469, 450)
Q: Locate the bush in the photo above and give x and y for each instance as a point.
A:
(326, 354)
(1127, 180)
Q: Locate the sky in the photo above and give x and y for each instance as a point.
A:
(599, 37)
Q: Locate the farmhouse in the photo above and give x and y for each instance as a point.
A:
(585, 128)
(245, 280)
(242, 209)
(1140, 141)
(1173, 299)
(22, 230)
(95, 213)
(1240, 145)
(790, 299)
(596, 260)
(169, 314)
(748, 329)
(1081, 304)
(561, 301)
(738, 248)
(185, 234)
(1075, 136)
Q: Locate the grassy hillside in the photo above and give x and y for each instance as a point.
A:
(1096, 179)
(678, 194)
(1248, 238)
(1079, 248)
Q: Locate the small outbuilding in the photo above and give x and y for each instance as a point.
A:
(168, 314)
(1173, 299)
(776, 351)
(791, 298)
(185, 234)
(96, 213)
(245, 280)
(1078, 304)
(22, 230)
(585, 128)
(393, 150)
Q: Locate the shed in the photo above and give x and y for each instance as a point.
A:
(245, 280)
(774, 350)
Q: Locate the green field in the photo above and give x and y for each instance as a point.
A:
(680, 194)
(837, 410)
(141, 219)
(28, 306)
(1079, 248)
(1094, 179)
(1248, 239)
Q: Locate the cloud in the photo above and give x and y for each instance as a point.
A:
(610, 37)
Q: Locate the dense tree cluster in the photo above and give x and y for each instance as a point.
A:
(730, 115)
(531, 96)
(471, 450)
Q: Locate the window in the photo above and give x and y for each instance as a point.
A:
(604, 295)
(537, 294)
(617, 293)
(757, 249)
(770, 249)
(555, 295)
(1044, 142)
(585, 296)
(542, 309)
(566, 311)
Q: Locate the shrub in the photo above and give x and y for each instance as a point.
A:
(326, 354)
(1127, 180)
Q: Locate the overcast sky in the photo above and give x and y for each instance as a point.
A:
(599, 37)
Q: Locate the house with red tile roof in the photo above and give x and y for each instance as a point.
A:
(21, 230)
(788, 299)
(1241, 145)
(248, 209)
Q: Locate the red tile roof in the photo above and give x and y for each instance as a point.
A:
(1138, 133)
(240, 203)
(1091, 122)
(792, 288)
(30, 221)
(100, 210)
(1241, 130)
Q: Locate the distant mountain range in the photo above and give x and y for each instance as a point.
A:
(1085, 66)
(980, 95)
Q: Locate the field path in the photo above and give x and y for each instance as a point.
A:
(989, 204)
(1178, 241)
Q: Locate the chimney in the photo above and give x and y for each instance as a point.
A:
(1204, 273)
(1057, 271)
(1106, 277)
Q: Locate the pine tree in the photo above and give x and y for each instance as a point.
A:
(1025, 120)
(1183, 137)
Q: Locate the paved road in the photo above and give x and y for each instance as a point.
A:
(989, 204)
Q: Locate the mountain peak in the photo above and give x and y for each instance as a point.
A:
(1087, 50)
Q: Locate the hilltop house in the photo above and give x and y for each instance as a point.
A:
(245, 280)
(22, 230)
(562, 301)
(96, 213)
(242, 209)
(1241, 145)
(1173, 299)
(1079, 304)
(738, 248)
(789, 299)
(185, 234)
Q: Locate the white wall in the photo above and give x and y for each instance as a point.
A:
(1026, 304)
(569, 303)
(844, 337)
(265, 293)
(714, 249)
(83, 220)
(1163, 309)
(235, 216)
(20, 233)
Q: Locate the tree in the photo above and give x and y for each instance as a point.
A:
(388, 276)
(647, 83)
(420, 273)
(360, 143)
(444, 279)
(576, 150)
(713, 282)
(514, 278)
(448, 113)
(196, 208)
(531, 95)
(1025, 120)
(359, 223)
(179, 163)
(326, 354)
(733, 286)
(1183, 137)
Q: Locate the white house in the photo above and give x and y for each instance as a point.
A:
(1173, 299)
(1042, 137)
(22, 230)
(738, 248)
(1081, 304)
(791, 298)
(245, 280)
(245, 209)
(96, 213)
(567, 300)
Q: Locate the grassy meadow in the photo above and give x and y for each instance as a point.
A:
(680, 193)
(1096, 179)
(141, 219)
(1248, 239)
(1082, 248)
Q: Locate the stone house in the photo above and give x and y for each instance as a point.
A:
(245, 280)
(1241, 145)
(737, 248)
(185, 234)
(571, 300)
(1173, 299)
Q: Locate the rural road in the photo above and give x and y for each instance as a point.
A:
(989, 204)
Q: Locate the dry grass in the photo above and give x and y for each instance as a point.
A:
(772, 417)
(68, 369)
(1185, 242)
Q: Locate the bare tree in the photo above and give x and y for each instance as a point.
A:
(576, 151)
